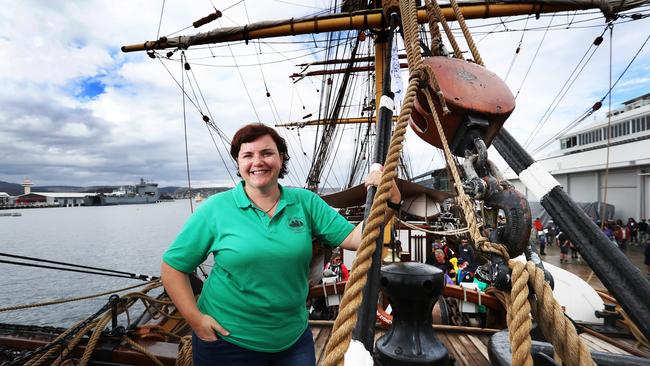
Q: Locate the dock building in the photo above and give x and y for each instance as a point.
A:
(581, 164)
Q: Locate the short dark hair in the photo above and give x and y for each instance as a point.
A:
(252, 132)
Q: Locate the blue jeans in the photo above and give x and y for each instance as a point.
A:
(224, 353)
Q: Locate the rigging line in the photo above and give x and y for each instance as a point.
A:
(241, 77)
(500, 24)
(564, 89)
(609, 126)
(331, 169)
(628, 66)
(189, 82)
(293, 152)
(75, 265)
(191, 26)
(220, 155)
(514, 57)
(356, 155)
(269, 99)
(136, 277)
(177, 83)
(575, 13)
(187, 154)
(565, 26)
(160, 20)
(211, 124)
(534, 58)
(571, 125)
(178, 31)
(232, 6)
(286, 59)
(302, 5)
(590, 110)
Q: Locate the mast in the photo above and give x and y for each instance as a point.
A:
(364, 330)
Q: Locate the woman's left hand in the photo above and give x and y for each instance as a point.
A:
(374, 179)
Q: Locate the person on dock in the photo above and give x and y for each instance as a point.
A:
(539, 235)
(633, 230)
(550, 233)
(647, 257)
(643, 231)
(564, 244)
(251, 310)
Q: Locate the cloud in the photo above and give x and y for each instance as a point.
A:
(76, 110)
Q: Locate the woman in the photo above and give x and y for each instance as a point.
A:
(252, 307)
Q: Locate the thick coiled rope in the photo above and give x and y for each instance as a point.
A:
(184, 357)
(341, 334)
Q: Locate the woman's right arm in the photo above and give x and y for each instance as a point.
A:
(177, 285)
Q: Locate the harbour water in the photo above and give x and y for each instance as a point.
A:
(128, 238)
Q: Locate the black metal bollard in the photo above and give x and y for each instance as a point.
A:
(413, 289)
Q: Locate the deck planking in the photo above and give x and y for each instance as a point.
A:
(466, 349)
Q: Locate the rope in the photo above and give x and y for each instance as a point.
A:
(555, 326)
(61, 352)
(519, 322)
(443, 233)
(433, 9)
(341, 333)
(184, 357)
(436, 37)
(466, 33)
(94, 338)
(143, 350)
(71, 299)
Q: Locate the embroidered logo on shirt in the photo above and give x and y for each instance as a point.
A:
(296, 224)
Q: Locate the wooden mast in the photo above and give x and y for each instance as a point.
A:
(346, 21)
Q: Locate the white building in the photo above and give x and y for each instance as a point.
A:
(581, 163)
(5, 198)
(63, 199)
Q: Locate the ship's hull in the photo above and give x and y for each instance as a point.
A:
(108, 200)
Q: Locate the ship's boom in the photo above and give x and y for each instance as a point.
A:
(375, 19)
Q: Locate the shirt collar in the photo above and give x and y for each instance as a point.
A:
(242, 200)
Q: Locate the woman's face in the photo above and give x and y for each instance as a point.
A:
(259, 163)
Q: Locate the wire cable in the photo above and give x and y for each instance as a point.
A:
(187, 154)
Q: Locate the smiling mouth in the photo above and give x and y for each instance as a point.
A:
(258, 172)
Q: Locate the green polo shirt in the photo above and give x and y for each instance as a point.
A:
(258, 285)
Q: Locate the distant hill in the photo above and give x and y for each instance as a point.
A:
(70, 189)
(168, 189)
(15, 189)
(12, 189)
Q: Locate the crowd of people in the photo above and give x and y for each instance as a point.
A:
(457, 267)
(625, 234)
(622, 235)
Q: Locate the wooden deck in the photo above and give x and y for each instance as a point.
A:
(467, 346)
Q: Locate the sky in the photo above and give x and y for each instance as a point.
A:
(75, 110)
